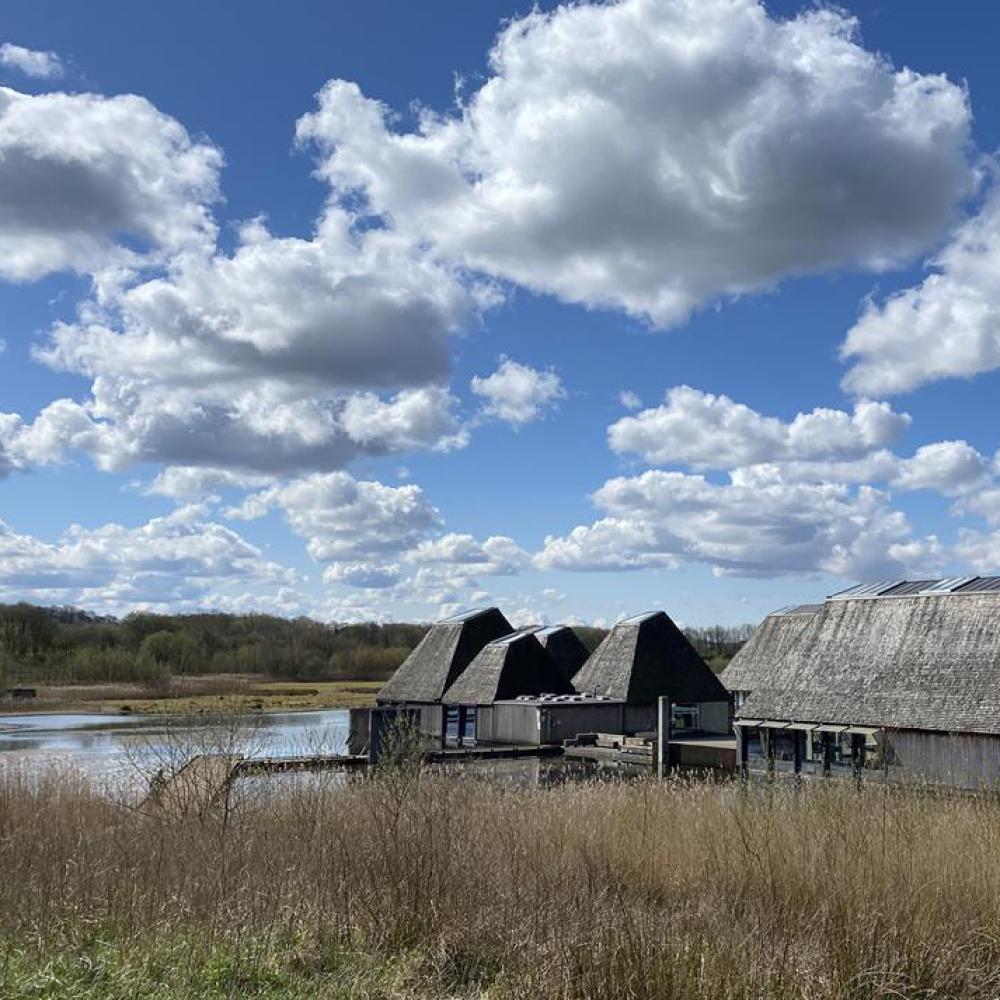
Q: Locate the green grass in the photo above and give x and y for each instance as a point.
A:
(177, 967)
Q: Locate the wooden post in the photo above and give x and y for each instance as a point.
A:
(663, 735)
(767, 746)
(858, 756)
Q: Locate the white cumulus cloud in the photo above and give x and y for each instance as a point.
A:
(40, 64)
(712, 431)
(182, 559)
(663, 519)
(81, 173)
(948, 326)
(654, 155)
(517, 393)
(286, 355)
(283, 355)
(498, 555)
(343, 519)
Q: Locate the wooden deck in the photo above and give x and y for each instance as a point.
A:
(203, 783)
(611, 755)
(702, 752)
(279, 765)
(498, 752)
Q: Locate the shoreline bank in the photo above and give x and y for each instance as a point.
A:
(197, 696)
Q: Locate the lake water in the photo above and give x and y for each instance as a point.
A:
(121, 752)
(106, 746)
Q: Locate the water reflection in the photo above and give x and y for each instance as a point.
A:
(103, 746)
(120, 753)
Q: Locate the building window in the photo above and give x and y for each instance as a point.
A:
(452, 724)
(783, 748)
(469, 723)
(842, 750)
(685, 718)
(754, 746)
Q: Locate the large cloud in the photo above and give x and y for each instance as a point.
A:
(388, 538)
(946, 327)
(285, 354)
(657, 154)
(498, 555)
(713, 432)
(749, 528)
(267, 359)
(708, 431)
(799, 497)
(183, 559)
(90, 182)
(347, 520)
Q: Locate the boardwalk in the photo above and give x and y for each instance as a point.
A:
(203, 783)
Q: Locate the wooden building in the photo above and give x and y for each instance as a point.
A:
(512, 666)
(565, 648)
(898, 680)
(473, 679)
(439, 659)
(647, 657)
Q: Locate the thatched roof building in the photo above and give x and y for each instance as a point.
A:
(512, 666)
(442, 655)
(564, 647)
(920, 655)
(645, 657)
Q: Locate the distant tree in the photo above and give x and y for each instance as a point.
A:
(172, 652)
(26, 631)
(718, 644)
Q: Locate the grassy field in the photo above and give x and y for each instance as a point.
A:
(201, 695)
(425, 885)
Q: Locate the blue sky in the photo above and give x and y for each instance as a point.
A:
(375, 310)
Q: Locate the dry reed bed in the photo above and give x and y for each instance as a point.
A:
(427, 885)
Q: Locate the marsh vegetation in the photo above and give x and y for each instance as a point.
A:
(422, 884)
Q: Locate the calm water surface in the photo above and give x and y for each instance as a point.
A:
(108, 745)
(121, 752)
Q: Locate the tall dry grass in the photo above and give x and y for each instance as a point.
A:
(430, 885)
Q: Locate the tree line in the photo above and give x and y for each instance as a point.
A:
(68, 646)
(718, 644)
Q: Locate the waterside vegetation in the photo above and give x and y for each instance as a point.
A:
(140, 662)
(425, 885)
(66, 646)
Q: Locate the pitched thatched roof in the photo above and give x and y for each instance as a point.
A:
(563, 645)
(443, 653)
(506, 668)
(644, 657)
(914, 662)
(784, 631)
